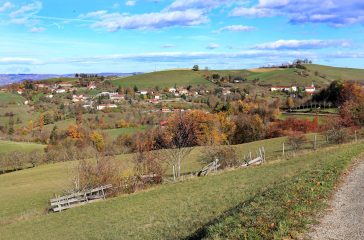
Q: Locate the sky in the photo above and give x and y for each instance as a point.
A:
(93, 36)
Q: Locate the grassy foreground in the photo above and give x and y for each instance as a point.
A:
(273, 200)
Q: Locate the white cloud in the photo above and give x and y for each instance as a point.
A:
(130, 3)
(335, 13)
(302, 44)
(236, 28)
(37, 29)
(213, 46)
(157, 20)
(168, 46)
(28, 9)
(6, 6)
(196, 4)
(18, 60)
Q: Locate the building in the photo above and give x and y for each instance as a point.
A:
(105, 106)
(143, 92)
(310, 90)
(80, 98)
(172, 90)
(91, 86)
(116, 97)
(61, 90)
(284, 89)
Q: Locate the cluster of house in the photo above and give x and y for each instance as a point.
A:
(292, 89)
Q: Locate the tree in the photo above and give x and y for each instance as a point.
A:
(98, 141)
(54, 136)
(179, 140)
(290, 103)
(196, 68)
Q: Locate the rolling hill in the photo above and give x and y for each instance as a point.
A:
(318, 74)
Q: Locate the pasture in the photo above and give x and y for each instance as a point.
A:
(169, 211)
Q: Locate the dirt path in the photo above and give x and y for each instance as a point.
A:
(345, 218)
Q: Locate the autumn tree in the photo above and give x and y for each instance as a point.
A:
(179, 140)
(290, 103)
(98, 141)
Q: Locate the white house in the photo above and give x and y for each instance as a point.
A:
(311, 89)
(61, 90)
(172, 90)
(105, 106)
(284, 88)
(116, 97)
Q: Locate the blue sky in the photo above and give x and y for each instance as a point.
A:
(69, 36)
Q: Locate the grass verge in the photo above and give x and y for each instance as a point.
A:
(284, 210)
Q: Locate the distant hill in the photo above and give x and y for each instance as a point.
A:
(13, 78)
(318, 74)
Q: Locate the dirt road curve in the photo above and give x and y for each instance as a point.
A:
(345, 219)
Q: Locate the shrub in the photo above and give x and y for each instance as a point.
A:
(296, 139)
(225, 154)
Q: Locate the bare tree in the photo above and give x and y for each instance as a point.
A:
(179, 141)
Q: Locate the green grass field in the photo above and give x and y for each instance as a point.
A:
(170, 78)
(114, 133)
(14, 103)
(9, 146)
(336, 73)
(181, 78)
(170, 211)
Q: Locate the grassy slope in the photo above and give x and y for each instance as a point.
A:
(273, 77)
(114, 133)
(8, 146)
(14, 103)
(163, 79)
(54, 178)
(335, 73)
(165, 212)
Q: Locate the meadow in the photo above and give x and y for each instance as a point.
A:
(189, 209)
(318, 74)
(10, 146)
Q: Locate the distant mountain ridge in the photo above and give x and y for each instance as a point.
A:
(14, 78)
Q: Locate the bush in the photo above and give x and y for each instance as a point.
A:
(296, 139)
(225, 154)
(337, 135)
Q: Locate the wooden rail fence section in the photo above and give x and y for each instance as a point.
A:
(79, 198)
(213, 166)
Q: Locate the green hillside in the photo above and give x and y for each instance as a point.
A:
(170, 211)
(9, 146)
(319, 74)
(336, 73)
(163, 79)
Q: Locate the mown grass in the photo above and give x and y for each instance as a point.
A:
(169, 211)
(10, 146)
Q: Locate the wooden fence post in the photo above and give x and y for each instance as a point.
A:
(356, 137)
(315, 142)
(283, 154)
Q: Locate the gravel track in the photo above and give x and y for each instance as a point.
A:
(345, 218)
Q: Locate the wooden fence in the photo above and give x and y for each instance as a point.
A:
(76, 199)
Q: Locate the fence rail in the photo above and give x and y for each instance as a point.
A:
(69, 201)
